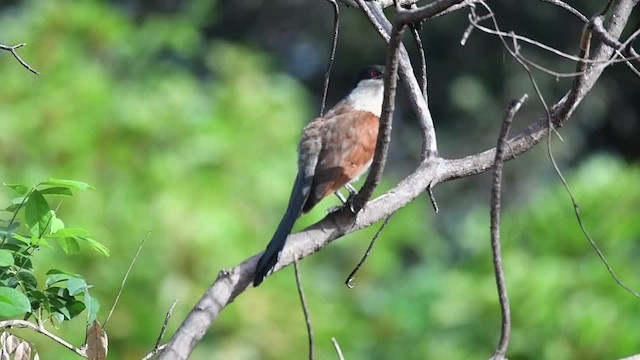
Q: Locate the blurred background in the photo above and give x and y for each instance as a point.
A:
(184, 116)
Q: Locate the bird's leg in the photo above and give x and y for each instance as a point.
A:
(352, 193)
(343, 200)
(351, 189)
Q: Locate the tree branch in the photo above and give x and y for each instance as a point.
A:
(496, 190)
(23, 324)
(12, 50)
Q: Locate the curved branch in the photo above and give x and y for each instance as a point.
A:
(23, 324)
(12, 50)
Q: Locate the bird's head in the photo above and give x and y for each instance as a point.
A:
(370, 74)
(367, 91)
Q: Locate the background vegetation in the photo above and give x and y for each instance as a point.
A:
(184, 117)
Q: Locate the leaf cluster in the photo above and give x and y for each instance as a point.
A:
(27, 225)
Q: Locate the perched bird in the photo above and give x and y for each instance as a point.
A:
(334, 150)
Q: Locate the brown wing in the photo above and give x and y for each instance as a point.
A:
(348, 144)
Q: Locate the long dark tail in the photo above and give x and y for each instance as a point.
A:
(270, 256)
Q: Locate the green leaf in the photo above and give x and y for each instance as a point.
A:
(56, 276)
(6, 258)
(27, 278)
(21, 238)
(58, 190)
(71, 184)
(93, 306)
(57, 317)
(56, 223)
(76, 285)
(40, 242)
(37, 213)
(70, 232)
(6, 231)
(74, 308)
(13, 302)
(95, 245)
(68, 244)
(19, 188)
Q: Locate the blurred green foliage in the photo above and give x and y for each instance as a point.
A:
(194, 141)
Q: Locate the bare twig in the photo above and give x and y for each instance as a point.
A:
(337, 347)
(165, 323)
(305, 310)
(423, 59)
(124, 279)
(12, 50)
(496, 190)
(23, 324)
(158, 347)
(334, 42)
(433, 199)
(349, 281)
(568, 7)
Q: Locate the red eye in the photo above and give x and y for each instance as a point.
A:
(374, 73)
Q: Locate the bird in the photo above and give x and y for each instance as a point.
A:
(333, 151)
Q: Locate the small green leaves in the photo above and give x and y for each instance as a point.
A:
(13, 302)
(32, 225)
(69, 238)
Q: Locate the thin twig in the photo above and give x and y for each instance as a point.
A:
(334, 43)
(337, 347)
(423, 59)
(305, 310)
(12, 50)
(505, 329)
(164, 324)
(124, 280)
(568, 8)
(23, 324)
(349, 281)
(433, 199)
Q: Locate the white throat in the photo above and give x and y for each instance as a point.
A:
(367, 96)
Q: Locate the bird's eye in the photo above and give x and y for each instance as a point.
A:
(374, 73)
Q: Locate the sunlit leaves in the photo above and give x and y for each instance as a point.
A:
(31, 224)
